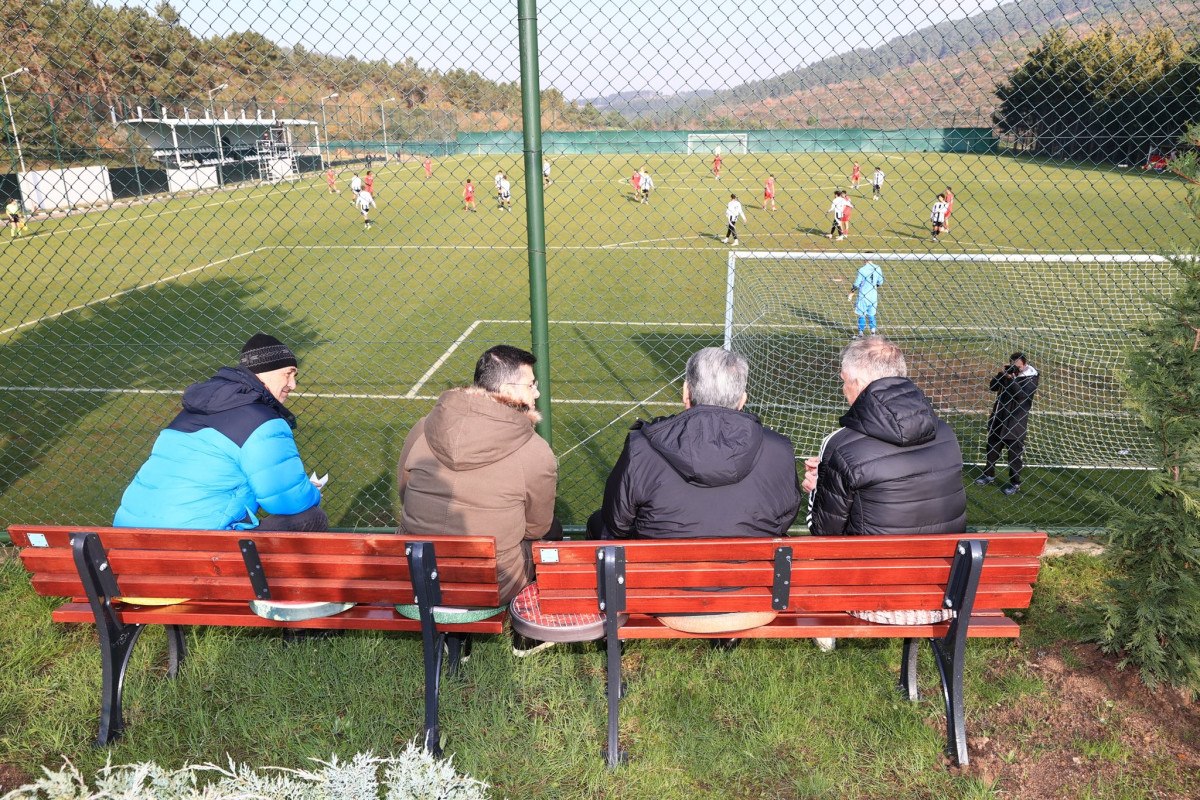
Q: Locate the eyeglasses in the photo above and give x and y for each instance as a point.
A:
(532, 385)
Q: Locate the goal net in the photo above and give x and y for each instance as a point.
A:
(736, 143)
(957, 318)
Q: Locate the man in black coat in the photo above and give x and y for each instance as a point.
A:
(712, 470)
(893, 466)
(1008, 424)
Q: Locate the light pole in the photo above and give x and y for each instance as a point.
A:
(217, 132)
(11, 122)
(383, 117)
(325, 126)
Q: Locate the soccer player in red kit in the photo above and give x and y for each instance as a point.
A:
(769, 192)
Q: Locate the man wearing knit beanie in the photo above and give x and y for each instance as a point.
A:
(229, 454)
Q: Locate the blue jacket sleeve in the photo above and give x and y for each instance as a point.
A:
(271, 462)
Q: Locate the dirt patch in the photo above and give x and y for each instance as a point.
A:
(11, 777)
(1094, 727)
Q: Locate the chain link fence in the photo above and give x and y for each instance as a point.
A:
(180, 174)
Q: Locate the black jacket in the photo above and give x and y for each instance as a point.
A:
(708, 471)
(893, 467)
(1014, 398)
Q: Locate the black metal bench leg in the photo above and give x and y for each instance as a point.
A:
(432, 654)
(116, 645)
(614, 691)
(951, 671)
(176, 649)
(908, 669)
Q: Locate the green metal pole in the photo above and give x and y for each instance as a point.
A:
(535, 209)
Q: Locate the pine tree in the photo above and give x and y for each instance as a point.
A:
(1151, 615)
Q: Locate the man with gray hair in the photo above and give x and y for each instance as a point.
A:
(894, 466)
(713, 470)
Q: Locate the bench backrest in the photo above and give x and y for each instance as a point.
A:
(213, 565)
(797, 574)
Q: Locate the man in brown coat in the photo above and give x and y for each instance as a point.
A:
(475, 466)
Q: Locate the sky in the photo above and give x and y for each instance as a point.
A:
(587, 48)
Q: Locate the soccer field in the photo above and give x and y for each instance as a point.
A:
(107, 316)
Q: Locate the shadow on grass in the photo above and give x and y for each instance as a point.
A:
(61, 371)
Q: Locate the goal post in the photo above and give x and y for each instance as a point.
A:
(735, 143)
(957, 317)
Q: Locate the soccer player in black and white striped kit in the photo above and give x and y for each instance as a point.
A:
(732, 212)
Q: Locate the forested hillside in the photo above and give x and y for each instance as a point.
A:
(84, 57)
(942, 75)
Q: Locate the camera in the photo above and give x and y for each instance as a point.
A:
(1011, 369)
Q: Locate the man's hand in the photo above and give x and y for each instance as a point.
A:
(810, 473)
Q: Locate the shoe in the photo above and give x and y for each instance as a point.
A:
(1011, 489)
(524, 646)
(829, 236)
(841, 238)
(984, 480)
(825, 645)
(935, 238)
(735, 241)
(725, 240)
(724, 644)
(873, 332)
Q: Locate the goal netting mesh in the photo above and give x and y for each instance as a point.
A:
(957, 318)
(736, 143)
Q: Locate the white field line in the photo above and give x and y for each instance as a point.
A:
(425, 398)
(124, 292)
(140, 217)
(429, 373)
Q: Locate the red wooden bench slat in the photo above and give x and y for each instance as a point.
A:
(310, 543)
(218, 564)
(836, 625)
(803, 547)
(296, 589)
(363, 617)
(803, 599)
(804, 573)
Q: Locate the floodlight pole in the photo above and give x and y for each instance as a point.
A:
(217, 131)
(325, 127)
(535, 212)
(383, 117)
(11, 122)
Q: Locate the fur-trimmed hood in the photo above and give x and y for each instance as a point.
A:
(471, 428)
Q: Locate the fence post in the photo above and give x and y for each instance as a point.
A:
(535, 216)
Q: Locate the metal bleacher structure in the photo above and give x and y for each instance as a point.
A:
(208, 152)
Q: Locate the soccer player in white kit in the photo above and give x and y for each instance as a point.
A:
(732, 212)
(364, 201)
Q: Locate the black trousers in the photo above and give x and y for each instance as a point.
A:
(1016, 455)
(731, 231)
(312, 519)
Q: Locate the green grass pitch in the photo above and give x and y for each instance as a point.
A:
(151, 297)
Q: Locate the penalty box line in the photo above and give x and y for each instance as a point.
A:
(413, 392)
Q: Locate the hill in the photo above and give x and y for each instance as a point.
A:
(942, 75)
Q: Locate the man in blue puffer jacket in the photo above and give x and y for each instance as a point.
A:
(229, 453)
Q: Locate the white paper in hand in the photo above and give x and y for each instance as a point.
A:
(318, 482)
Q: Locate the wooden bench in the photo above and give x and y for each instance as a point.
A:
(812, 582)
(221, 571)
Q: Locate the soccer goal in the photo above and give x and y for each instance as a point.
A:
(957, 318)
(737, 143)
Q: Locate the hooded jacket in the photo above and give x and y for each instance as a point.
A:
(893, 467)
(709, 471)
(475, 466)
(1009, 419)
(227, 454)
